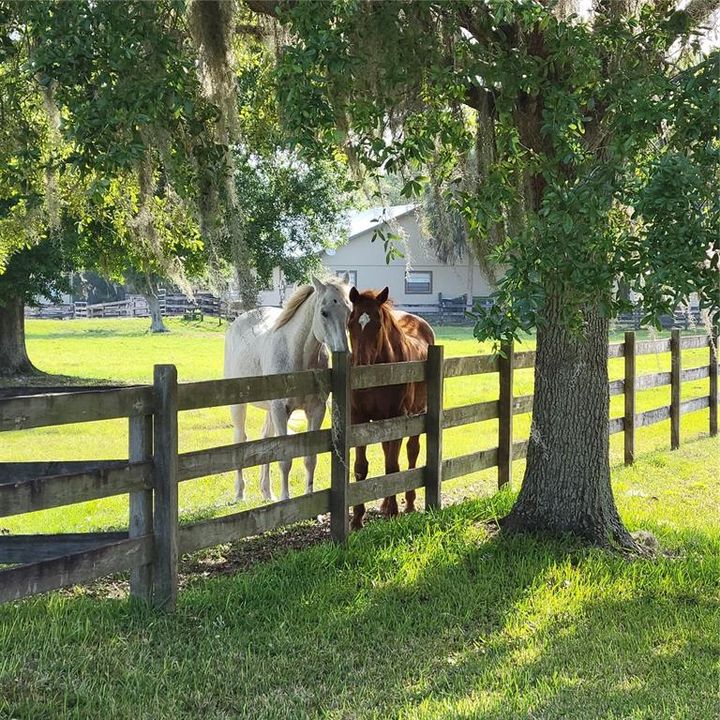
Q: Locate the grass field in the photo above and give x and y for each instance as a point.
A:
(122, 351)
(433, 616)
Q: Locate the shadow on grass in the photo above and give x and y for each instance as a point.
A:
(426, 617)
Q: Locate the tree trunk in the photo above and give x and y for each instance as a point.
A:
(14, 359)
(156, 319)
(566, 488)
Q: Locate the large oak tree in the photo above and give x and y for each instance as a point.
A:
(599, 138)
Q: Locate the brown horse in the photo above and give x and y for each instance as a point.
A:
(380, 334)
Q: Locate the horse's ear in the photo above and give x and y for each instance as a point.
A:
(346, 279)
(382, 296)
(317, 284)
(354, 294)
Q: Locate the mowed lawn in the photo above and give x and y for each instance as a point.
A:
(432, 616)
(121, 351)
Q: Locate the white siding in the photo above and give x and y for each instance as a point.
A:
(367, 259)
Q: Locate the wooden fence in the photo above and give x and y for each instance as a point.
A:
(154, 468)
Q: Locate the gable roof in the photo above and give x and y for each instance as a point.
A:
(364, 220)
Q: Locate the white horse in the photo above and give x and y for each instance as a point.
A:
(267, 341)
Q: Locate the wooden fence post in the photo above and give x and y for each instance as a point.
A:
(165, 571)
(675, 370)
(141, 502)
(433, 428)
(340, 455)
(714, 382)
(629, 390)
(505, 415)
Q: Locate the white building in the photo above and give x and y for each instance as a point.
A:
(418, 278)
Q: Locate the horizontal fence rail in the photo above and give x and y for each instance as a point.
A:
(155, 467)
(21, 413)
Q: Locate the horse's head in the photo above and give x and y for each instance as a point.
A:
(332, 309)
(366, 321)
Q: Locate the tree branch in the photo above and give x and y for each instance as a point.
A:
(267, 7)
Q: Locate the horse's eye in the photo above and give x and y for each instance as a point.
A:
(324, 313)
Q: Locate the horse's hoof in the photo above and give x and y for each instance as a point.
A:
(390, 510)
(240, 497)
(356, 525)
(410, 509)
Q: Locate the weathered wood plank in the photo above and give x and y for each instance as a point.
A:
(616, 350)
(616, 425)
(16, 471)
(697, 373)
(689, 342)
(237, 391)
(382, 430)
(523, 404)
(524, 359)
(34, 548)
(699, 403)
(340, 453)
(472, 462)
(20, 413)
(383, 486)
(470, 365)
(467, 414)
(165, 521)
(645, 382)
(140, 442)
(252, 522)
(434, 428)
(505, 415)
(675, 389)
(713, 368)
(225, 458)
(652, 347)
(369, 376)
(48, 492)
(650, 417)
(616, 387)
(80, 567)
(630, 388)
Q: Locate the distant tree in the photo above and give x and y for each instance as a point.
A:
(290, 210)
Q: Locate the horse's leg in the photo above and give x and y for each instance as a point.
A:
(361, 471)
(413, 450)
(238, 413)
(267, 431)
(280, 417)
(315, 415)
(391, 449)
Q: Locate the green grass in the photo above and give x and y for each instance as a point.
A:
(122, 351)
(429, 616)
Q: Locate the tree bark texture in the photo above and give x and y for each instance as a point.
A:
(14, 359)
(567, 488)
(156, 319)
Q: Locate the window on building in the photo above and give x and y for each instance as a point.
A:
(418, 282)
(351, 273)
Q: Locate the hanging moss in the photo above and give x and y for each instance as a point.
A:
(52, 114)
(212, 29)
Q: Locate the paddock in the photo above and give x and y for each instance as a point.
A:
(155, 468)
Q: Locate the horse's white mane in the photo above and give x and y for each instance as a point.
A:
(299, 297)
